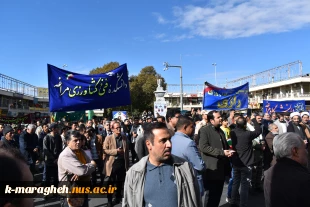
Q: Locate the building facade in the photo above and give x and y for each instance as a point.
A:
(286, 82)
(18, 98)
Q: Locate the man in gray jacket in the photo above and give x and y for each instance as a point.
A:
(160, 179)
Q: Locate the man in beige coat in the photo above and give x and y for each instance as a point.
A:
(116, 156)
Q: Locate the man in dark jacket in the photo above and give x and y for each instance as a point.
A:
(287, 183)
(215, 152)
(29, 146)
(243, 160)
(52, 145)
(7, 139)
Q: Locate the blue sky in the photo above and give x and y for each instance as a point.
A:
(242, 37)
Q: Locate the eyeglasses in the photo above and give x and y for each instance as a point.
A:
(117, 128)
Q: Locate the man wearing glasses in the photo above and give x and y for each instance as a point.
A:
(116, 158)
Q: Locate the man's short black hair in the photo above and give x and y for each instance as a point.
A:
(161, 117)
(148, 130)
(224, 118)
(74, 123)
(241, 122)
(183, 121)
(145, 125)
(90, 130)
(82, 127)
(197, 118)
(210, 115)
(63, 128)
(171, 113)
(71, 134)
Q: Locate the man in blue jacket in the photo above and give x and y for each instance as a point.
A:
(185, 147)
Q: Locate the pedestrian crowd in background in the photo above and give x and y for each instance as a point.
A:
(176, 160)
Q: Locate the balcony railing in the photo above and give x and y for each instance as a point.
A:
(260, 98)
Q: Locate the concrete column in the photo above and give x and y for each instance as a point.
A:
(292, 95)
(301, 89)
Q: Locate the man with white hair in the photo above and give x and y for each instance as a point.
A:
(273, 132)
(29, 146)
(287, 183)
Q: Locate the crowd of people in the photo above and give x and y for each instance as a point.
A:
(176, 160)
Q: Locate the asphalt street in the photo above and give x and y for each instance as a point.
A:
(254, 201)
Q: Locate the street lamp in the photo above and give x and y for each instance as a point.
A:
(214, 64)
(181, 82)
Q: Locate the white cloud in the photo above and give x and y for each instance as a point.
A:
(160, 36)
(177, 38)
(240, 18)
(160, 18)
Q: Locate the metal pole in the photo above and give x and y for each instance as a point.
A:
(181, 95)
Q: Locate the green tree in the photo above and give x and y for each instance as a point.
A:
(105, 68)
(142, 87)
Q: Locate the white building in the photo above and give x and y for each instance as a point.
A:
(286, 82)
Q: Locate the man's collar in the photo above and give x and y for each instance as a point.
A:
(141, 165)
(215, 128)
(151, 167)
(291, 162)
(179, 133)
(117, 137)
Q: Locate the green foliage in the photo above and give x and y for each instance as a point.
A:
(104, 69)
(142, 87)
